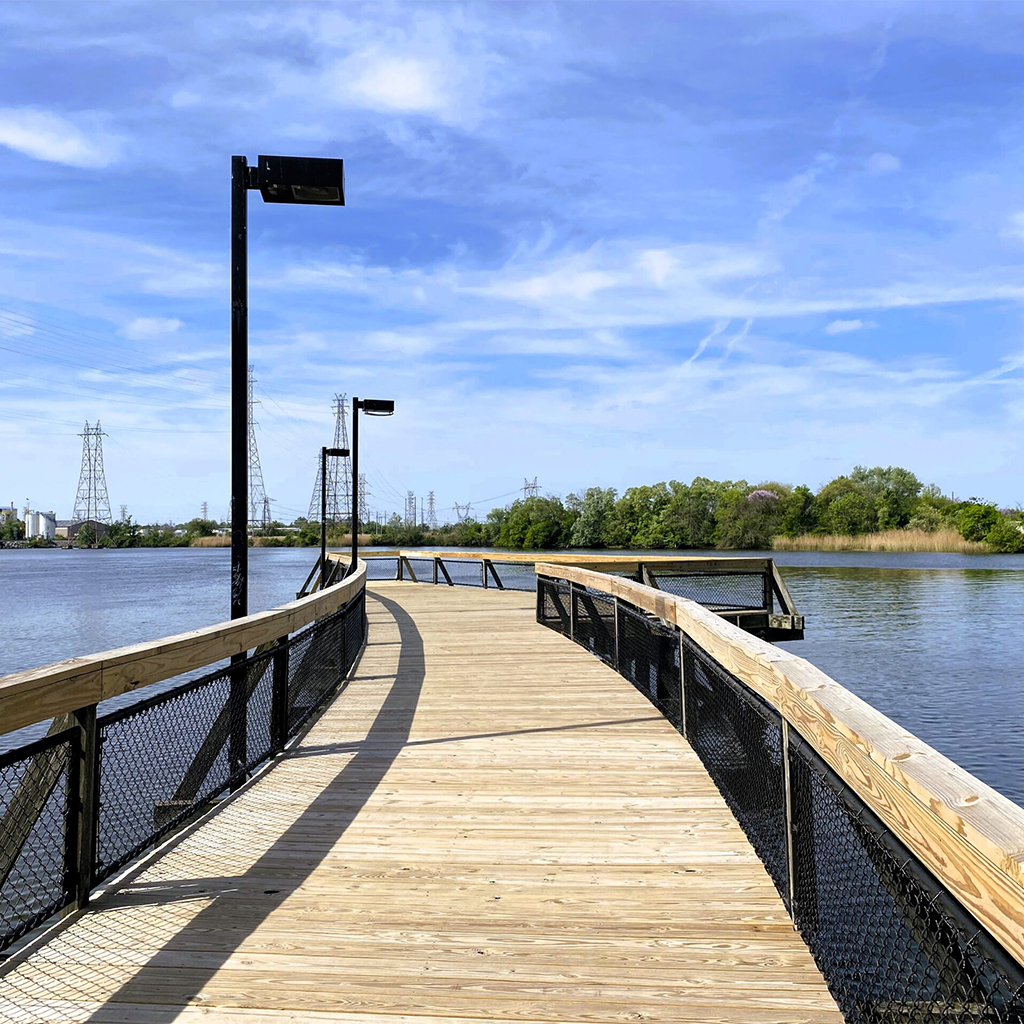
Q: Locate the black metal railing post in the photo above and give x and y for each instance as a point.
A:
(279, 696)
(483, 573)
(238, 701)
(82, 809)
(436, 560)
(787, 794)
(572, 612)
(682, 682)
(615, 611)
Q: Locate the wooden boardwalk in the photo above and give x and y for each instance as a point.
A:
(487, 825)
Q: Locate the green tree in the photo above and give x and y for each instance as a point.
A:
(11, 528)
(688, 520)
(749, 520)
(594, 510)
(797, 512)
(1007, 535)
(86, 536)
(536, 523)
(893, 490)
(125, 533)
(976, 520)
(636, 519)
(851, 513)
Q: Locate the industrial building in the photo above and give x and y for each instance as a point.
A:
(40, 524)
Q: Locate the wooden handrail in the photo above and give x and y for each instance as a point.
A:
(40, 693)
(968, 835)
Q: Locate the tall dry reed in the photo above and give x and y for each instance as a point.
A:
(884, 540)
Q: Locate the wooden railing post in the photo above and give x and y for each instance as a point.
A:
(279, 696)
(82, 809)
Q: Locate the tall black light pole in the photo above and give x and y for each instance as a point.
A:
(301, 181)
(338, 453)
(372, 407)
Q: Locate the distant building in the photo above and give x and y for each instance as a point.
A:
(40, 524)
(8, 512)
(62, 527)
(98, 529)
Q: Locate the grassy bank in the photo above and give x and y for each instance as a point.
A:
(885, 540)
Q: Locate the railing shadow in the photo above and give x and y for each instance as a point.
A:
(184, 913)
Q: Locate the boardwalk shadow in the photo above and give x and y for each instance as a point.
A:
(205, 912)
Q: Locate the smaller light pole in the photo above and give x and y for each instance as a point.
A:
(372, 407)
(334, 453)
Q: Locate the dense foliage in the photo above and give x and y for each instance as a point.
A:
(727, 514)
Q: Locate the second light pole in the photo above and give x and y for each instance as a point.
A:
(334, 453)
(372, 407)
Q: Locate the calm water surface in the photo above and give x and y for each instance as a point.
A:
(935, 641)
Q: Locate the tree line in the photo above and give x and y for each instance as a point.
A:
(728, 514)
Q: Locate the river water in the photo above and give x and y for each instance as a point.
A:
(935, 641)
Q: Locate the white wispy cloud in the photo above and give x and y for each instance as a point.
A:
(44, 135)
(149, 328)
(847, 326)
(882, 163)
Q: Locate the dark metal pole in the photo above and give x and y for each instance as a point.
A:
(355, 484)
(323, 516)
(239, 390)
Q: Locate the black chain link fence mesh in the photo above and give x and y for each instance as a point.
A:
(381, 568)
(464, 572)
(160, 762)
(38, 795)
(553, 605)
(890, 941)
(516, 575)
(594, 623)
(718, 591)
(738, 737)
(649, 659)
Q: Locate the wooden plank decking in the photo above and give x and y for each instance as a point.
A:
(487, 825)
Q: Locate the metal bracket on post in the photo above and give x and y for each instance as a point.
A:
(788, 787)
(279, 696)
(82, 810)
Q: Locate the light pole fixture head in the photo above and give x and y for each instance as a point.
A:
(377, 406)
(301, 180)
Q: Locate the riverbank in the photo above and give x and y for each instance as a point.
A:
(884, 540)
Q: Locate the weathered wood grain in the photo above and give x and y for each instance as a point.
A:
(968, 835)
(488, 825)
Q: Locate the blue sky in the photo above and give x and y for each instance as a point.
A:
(600, 244)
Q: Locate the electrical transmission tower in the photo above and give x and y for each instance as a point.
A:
(339, 472)
(363, 515)
(124, 513)
(431, 513)
(206, 510)
(259, 506)
(91, 501)
(463, 512)
(530, 490)
(410, 508)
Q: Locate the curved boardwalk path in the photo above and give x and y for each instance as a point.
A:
(487, 825)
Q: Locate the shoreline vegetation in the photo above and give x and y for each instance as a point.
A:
(876, 509)
(885, 540)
